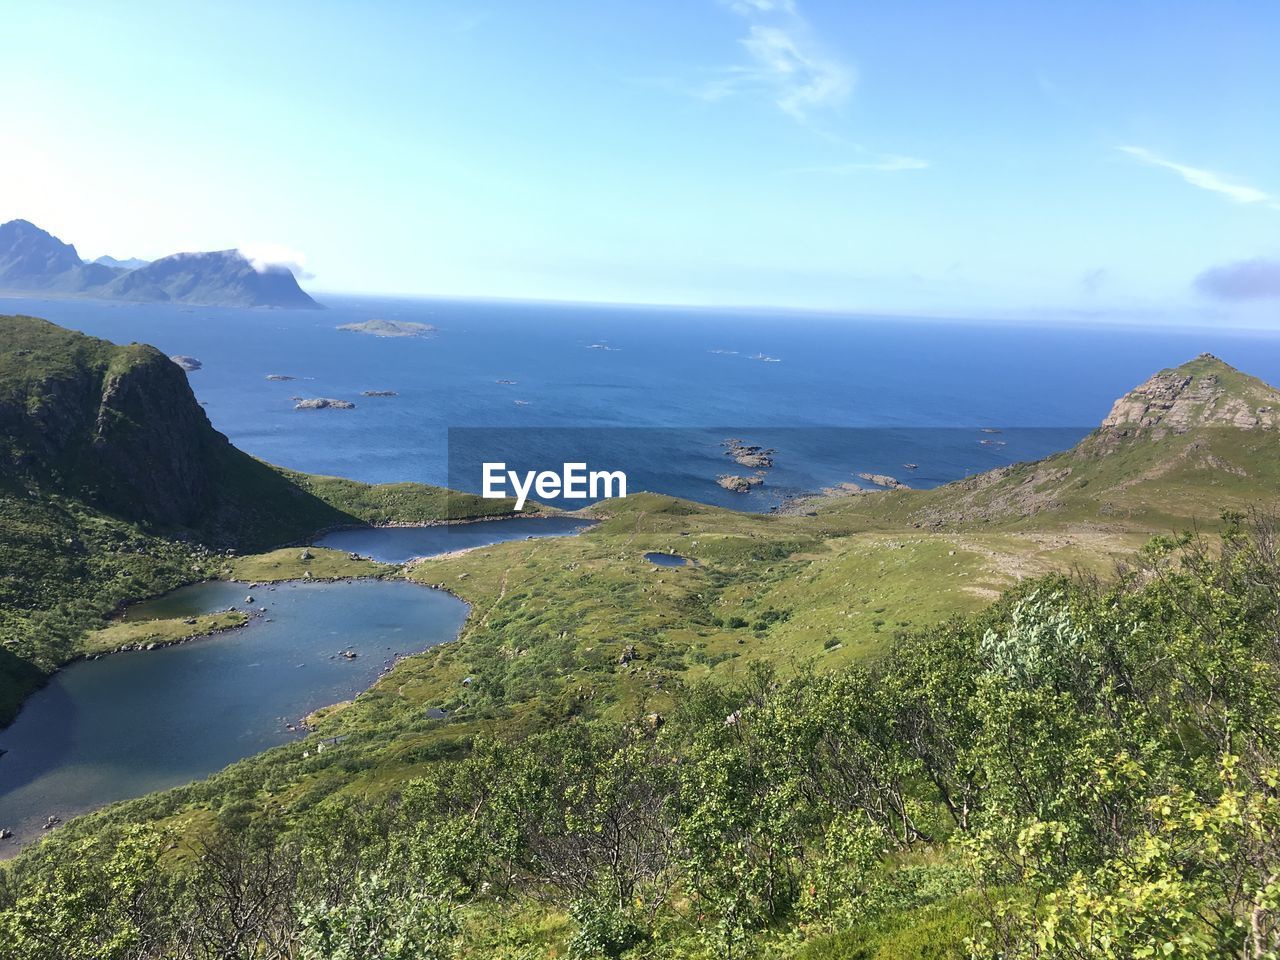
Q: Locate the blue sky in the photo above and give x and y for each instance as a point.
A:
(954, 158)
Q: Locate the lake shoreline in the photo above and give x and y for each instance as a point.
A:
(24, 837)
(396, 573)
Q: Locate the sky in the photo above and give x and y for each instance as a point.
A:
(1112, 159)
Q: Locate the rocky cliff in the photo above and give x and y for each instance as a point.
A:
(1203, 393)
(118, 427)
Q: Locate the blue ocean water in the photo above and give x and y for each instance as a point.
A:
(699, 375)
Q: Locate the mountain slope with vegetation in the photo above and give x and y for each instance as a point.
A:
(114, 486)
(223, 278)
(1186, 444)
(889, 727)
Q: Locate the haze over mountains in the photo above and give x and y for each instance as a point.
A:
(34, 261)
(129, 263)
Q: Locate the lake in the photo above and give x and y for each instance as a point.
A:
(400, 544)
(130, 723)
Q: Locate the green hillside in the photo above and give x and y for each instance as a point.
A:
(1184, 446)
(114, 486)
(995, 718)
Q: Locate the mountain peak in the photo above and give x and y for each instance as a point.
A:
(1203, 392)
(32, 259)
(218, 278)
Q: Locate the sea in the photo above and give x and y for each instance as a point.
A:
(652, 391)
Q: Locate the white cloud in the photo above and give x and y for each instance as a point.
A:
(785, 62)
(265, 256)
(882, 163)
(1206, 179)
(748, 7)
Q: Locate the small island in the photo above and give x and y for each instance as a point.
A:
(323, 403)
(748, 454)
(379, 393)
(187, 363)
(280, 377)
(390, 328)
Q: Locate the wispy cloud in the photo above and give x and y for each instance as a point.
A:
(1206, 179)
(1093, 280)
(785, 62)
(1243, 280)
(881, 163)
(274, 256)
(747, 7)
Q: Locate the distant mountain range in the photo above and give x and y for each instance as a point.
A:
(34, 261)
(131, 263)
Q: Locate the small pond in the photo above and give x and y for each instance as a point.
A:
(666, 559)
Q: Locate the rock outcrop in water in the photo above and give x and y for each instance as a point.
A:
(390, 328)
(739, 484)
(324, 403)
(748, 454)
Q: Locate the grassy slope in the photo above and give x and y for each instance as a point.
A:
(1115, 483)
(71, 552)
(552, 620)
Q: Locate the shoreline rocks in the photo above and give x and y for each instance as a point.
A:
(884, 480)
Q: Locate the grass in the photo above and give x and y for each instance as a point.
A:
(115, 487)
(294, 563)
(584, 625)
(144, 633)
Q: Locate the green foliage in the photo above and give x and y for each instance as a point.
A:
(1081, 771)
(603, 929)
(379, 921)
(104, 901)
